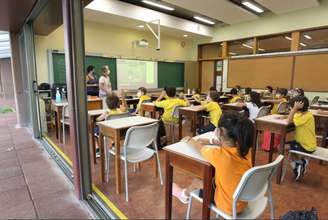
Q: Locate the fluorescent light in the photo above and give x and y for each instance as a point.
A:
(248, 46)
(140, 26)
(288, 38)
(204, 20)
(185, 35)
(253, 7)
(303, 44)
(158, 5)
(307, 36)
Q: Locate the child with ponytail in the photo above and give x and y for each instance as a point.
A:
(231, 159)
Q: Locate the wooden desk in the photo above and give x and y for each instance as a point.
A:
(113, 129)
(232, 106)
(223, 99)
(93, 103)
(275, 124)
(181, 156)
(93, 115)
(321, 122)
(148, 107)
(317, 106)
(132, 101)
(192, 112)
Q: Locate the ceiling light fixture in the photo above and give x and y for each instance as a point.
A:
(140, 26)
(204, 20)
(158, 5)
(307, 36)
(303, 44)
(288, 38)
(252, 6)
(185, 35)
(248, 46)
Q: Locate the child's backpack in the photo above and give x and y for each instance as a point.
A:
(301, 215)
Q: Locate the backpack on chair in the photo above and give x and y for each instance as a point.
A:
(301, 215)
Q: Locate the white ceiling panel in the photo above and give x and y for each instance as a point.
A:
(285, 6)
(222, 10)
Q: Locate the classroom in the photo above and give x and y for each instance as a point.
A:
(178, 109)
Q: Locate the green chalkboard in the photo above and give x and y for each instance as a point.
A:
(170, 74)
(59, 70)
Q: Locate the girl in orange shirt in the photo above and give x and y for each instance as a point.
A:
(231, 159)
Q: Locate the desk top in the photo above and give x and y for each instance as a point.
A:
(317, 106)
(96, 112)
(127, 122)
(235, 104)
(61, 104)
(195, 108)
(319, 113)
(149, 103)
(276, 119)
(185, 149)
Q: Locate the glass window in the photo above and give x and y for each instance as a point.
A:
(241, 47)
(272, 44)
(314, 39)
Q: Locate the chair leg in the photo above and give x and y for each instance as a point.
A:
(189, 208)
(158, 163)
(126, 180)
(173, 134)
(106, 155)
(285, 168)
(271, 202)
(64, 135)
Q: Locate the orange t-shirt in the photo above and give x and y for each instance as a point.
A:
(229, 168)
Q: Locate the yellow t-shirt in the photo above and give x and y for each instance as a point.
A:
(214, 110)
(274, 109)
(168, 105)
(114, 111)
(229, 169)
(196, 96)
(305, 130)
(234, 99)
(142, 99)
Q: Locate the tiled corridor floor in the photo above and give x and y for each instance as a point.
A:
(31, 184)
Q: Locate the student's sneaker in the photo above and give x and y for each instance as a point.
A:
(299, 171)
(305, 165)
(97, 152)
(96, 134)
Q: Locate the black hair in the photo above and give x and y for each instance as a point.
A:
(256, 99)
(300, 91)
(238, 87)
(248, 90)
(283, 91)
(197, 91)
(300, 98)
(212, 88)
(269, 88)
(113, 101)
(171, 92)
(240, 129)
(233, 91)
(143, 90)
(214, 96)
(90, 68)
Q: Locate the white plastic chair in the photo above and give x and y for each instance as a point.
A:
(65, 121)
(172, 125)
(263, 111)
(252, 189)
(135, 149)
(319, 154)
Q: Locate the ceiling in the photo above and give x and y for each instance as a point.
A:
(285, 6)
(13, 13)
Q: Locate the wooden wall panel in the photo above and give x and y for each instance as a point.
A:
(207, 74)
(210, 51)
(191, 75)
(311, 72)
(260, 72)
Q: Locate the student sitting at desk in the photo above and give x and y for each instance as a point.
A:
(142, 95)
(196, 94)
(168, 105)
(247, 94)
(252, 107)
(214, 110)
(235, 96)
(268, 91)
(279, 98)
(231, 160)
(305, 137)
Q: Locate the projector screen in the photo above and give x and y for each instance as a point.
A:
(132, 74)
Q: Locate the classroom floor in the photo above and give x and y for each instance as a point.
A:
(147, 195)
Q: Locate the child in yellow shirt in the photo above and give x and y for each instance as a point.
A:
(231, 160)
(214, 110)
(196, 94)
(279, 98)
(305, 137)
(235, 96)
(114, 107)
(142, 95)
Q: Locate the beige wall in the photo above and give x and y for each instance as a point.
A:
(302, 19)
(108, 40)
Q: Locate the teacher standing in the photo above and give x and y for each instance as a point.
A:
(105, 86)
